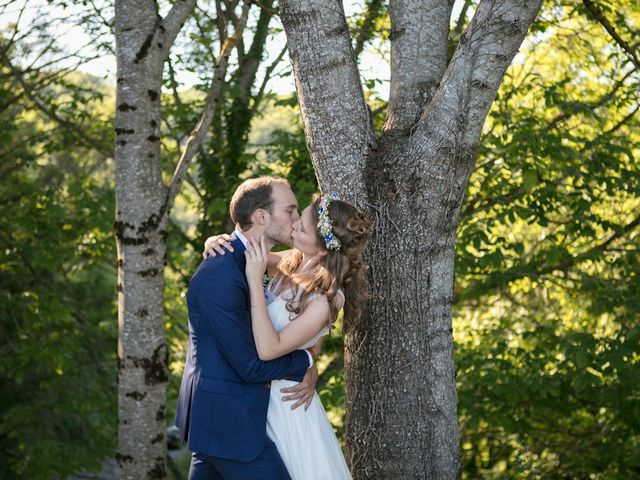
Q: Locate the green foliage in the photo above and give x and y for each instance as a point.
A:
(547, 396)
(57, 318)
(547, 262)
(546, 315)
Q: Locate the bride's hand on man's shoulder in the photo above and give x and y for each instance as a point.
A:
(257, 259)
(218, 244)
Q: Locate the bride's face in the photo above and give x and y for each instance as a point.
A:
(305, 236)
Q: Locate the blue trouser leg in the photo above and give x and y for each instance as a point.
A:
(268, 466)
(202, 469)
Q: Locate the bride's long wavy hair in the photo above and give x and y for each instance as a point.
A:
(339, 269)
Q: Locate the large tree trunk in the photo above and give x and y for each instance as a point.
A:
(401, 398)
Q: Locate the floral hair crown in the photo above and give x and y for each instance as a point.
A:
(325, 227)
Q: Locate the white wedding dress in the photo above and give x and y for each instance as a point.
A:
(305, 439)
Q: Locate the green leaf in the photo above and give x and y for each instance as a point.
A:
(582, 359)
(529, 180)
(580, 382)
(632, 335)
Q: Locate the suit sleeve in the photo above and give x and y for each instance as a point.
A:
(222, 305)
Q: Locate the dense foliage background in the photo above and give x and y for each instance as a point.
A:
(547, 321)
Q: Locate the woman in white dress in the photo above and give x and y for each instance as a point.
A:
(323, 273)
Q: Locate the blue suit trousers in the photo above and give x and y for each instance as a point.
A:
(268, 466)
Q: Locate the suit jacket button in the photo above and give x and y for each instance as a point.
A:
(267, 385)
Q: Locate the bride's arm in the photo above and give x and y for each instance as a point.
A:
(269, 343)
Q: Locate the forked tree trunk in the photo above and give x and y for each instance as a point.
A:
(401, 398)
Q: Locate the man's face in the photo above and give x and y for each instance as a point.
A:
(285, 212)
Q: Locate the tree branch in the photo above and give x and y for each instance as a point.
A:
(419, 33)
(610, 95)
(336, 118)
(172, 23)
(83, 137)
(7, 44)
(103, 20)
(207, 47)
(473, 77)
(373, 11)
(251, 60)
(604, 21)
(198, 133)
(626, 119)
(41, 83)
(221, 22)
(257, 100)
(537, 270)
(461, 18)
(174, 84)
(231, 15)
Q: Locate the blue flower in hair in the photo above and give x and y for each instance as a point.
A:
(325, 227)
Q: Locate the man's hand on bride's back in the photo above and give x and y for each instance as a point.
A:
(302, 393)
(218, 244)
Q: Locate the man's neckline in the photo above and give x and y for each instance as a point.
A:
(241, 236)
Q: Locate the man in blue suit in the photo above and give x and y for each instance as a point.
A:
(224, 395)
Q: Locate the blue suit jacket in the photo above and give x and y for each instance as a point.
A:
(224, 395)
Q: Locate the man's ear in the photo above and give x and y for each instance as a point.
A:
(260, 217)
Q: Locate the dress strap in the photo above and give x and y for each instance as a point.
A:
(274, 287)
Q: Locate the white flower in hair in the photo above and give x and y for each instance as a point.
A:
(325, 227)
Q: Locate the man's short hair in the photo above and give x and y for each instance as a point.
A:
(251, 195)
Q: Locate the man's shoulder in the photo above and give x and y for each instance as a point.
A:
(219, 280)
(221, 268)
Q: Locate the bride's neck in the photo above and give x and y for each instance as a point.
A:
(308, 264)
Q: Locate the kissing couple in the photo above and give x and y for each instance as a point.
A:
(248, 345)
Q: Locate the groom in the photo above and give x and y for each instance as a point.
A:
(224, 395)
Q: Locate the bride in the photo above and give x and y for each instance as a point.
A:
(323, 273)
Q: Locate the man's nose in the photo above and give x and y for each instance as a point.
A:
(296, 216)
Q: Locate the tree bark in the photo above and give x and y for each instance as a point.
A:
(401, 400)
(143, 40)
(419, 33)
(337, 120)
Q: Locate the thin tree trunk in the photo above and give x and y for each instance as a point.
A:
(143, 40)
(140, 193)
(143, 203)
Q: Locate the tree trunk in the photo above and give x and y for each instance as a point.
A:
(401, 400)
(140, 193)
(143, 40)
